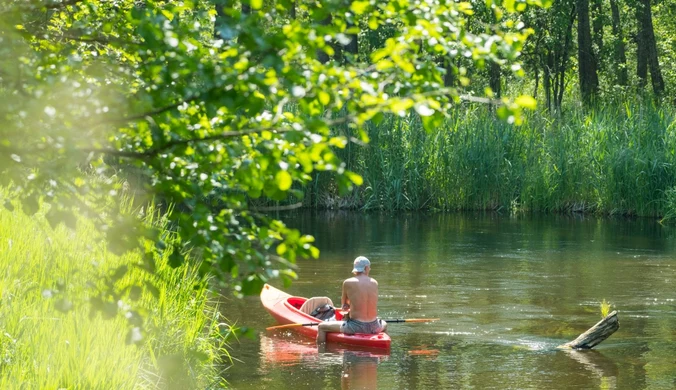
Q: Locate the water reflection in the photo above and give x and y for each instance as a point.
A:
(507, 290)
(359, 367)
(598, 365)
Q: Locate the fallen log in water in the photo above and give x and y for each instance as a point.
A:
(597, 333)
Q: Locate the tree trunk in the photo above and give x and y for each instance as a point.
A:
(589, 81)
(596, 334)
(494, 82)
(597, 26)
(647, 48)
(292, 11)
(537, 83)
(321, 54)
(619, 49)
(547, 80)
(449, 76)
(560, 76)
(353, 46)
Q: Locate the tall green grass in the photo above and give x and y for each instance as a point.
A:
(43, 348)
(615, 159)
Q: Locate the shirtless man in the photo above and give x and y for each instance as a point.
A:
(360, 296)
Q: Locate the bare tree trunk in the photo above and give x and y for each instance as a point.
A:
(537, 83)
(597, 26)
(560, 76)
(547, 80)
(495, 82)
(596, 334)
(641, 49)
(321, 54)
(353, 46)
(648, 48)
(620, 51)
(589, 82)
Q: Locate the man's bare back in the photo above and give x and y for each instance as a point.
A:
(360, 292)
(360, 297)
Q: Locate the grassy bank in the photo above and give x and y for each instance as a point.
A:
(42, 347)
(616, 159)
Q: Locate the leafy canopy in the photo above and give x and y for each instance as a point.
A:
(217, 103)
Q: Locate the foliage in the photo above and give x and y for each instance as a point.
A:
(73, 347)
(215, 110)
(616, 160)
(605, 308)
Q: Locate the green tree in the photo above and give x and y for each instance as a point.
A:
(216, 106)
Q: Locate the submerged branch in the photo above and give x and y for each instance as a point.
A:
(596, 334)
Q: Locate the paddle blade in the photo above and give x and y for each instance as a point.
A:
(412, 320)
(421, 319)
(290, 326)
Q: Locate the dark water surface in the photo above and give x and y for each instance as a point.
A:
(508, 291)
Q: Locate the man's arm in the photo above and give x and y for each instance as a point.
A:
(344, 300)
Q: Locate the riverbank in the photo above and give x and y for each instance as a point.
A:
(618, 159)
(51, 338)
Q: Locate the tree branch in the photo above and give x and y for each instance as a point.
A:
(186, 141)
(60, 4)
(156, 111)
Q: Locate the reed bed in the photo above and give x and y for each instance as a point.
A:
(616, 159)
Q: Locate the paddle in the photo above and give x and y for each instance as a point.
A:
(388, 321)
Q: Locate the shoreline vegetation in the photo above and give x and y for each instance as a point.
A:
(51, 337)
(612, 160)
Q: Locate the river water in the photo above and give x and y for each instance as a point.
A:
(507, 291)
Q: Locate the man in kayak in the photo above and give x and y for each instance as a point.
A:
(360, 297)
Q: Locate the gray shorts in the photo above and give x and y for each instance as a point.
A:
(353, 326)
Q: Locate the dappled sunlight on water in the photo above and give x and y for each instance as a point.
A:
(507, 291)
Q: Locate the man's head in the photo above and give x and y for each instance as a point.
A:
(361, 265)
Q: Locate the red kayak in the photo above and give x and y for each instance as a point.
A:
(285, 309)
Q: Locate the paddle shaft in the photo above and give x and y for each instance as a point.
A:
(392, 321)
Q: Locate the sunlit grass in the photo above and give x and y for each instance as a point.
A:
(43, 348)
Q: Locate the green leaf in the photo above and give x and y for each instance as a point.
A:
(355, 178)
(256, 4)
(359, 7)
(252, 285)
(167, 14)
(324, 98)
(283, 180)
(526, 101)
